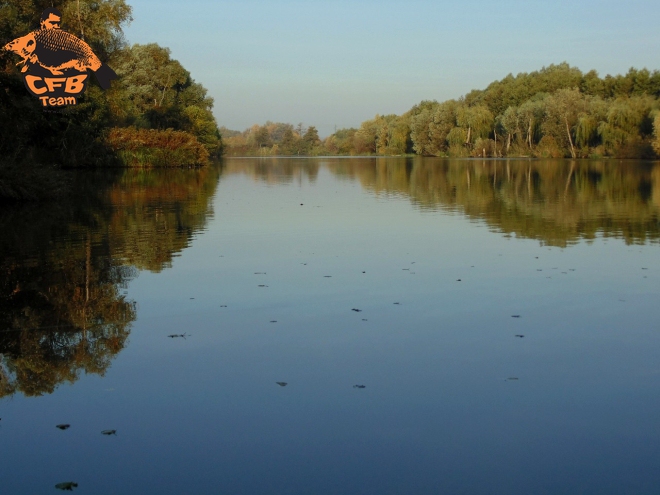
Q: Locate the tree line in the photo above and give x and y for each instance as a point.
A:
(558, 111)
(272, 139)
(154, 114)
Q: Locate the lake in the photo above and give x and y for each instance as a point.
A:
(336, 326)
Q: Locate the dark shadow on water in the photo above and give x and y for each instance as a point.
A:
(65, 267)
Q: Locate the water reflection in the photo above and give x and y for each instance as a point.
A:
(391, 339)
(557, 202)
(275, 170)
(65, 267)
(155, 213)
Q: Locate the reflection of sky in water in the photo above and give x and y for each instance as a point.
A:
(438, 415)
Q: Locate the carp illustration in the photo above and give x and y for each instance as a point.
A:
(57, 51)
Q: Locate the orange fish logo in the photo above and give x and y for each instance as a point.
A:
(55, 63)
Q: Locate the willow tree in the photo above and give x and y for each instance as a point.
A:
(509, 122)
(444, 120)
(531, 115)
(563, 109)
(586, 130)
(477, 120)
(627, 120)
(419, 131)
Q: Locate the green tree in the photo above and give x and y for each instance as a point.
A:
(563, 109)
(477, 120)
(656, 133)
(311, 139)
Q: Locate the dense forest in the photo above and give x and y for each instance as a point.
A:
(153, 114)
(555, 112)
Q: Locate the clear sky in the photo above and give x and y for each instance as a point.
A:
(340, 62)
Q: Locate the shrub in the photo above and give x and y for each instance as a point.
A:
(156, 148)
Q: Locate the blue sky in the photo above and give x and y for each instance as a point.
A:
(338, 63)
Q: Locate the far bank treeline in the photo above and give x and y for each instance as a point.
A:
(557, 112)
(153, 113)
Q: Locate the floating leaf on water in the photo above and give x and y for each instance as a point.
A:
(62, 427)
(109, 432)
(282, 384)
(67, 485)
(359, 386)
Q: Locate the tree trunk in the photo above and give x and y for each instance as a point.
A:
(570, 140)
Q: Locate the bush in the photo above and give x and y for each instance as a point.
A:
(156, 148)
(548, 148)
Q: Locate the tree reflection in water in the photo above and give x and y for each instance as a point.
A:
(557, 202)
(65, 268)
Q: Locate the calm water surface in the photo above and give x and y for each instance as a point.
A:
(503, 317)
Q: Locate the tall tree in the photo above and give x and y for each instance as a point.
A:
(563, 109)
